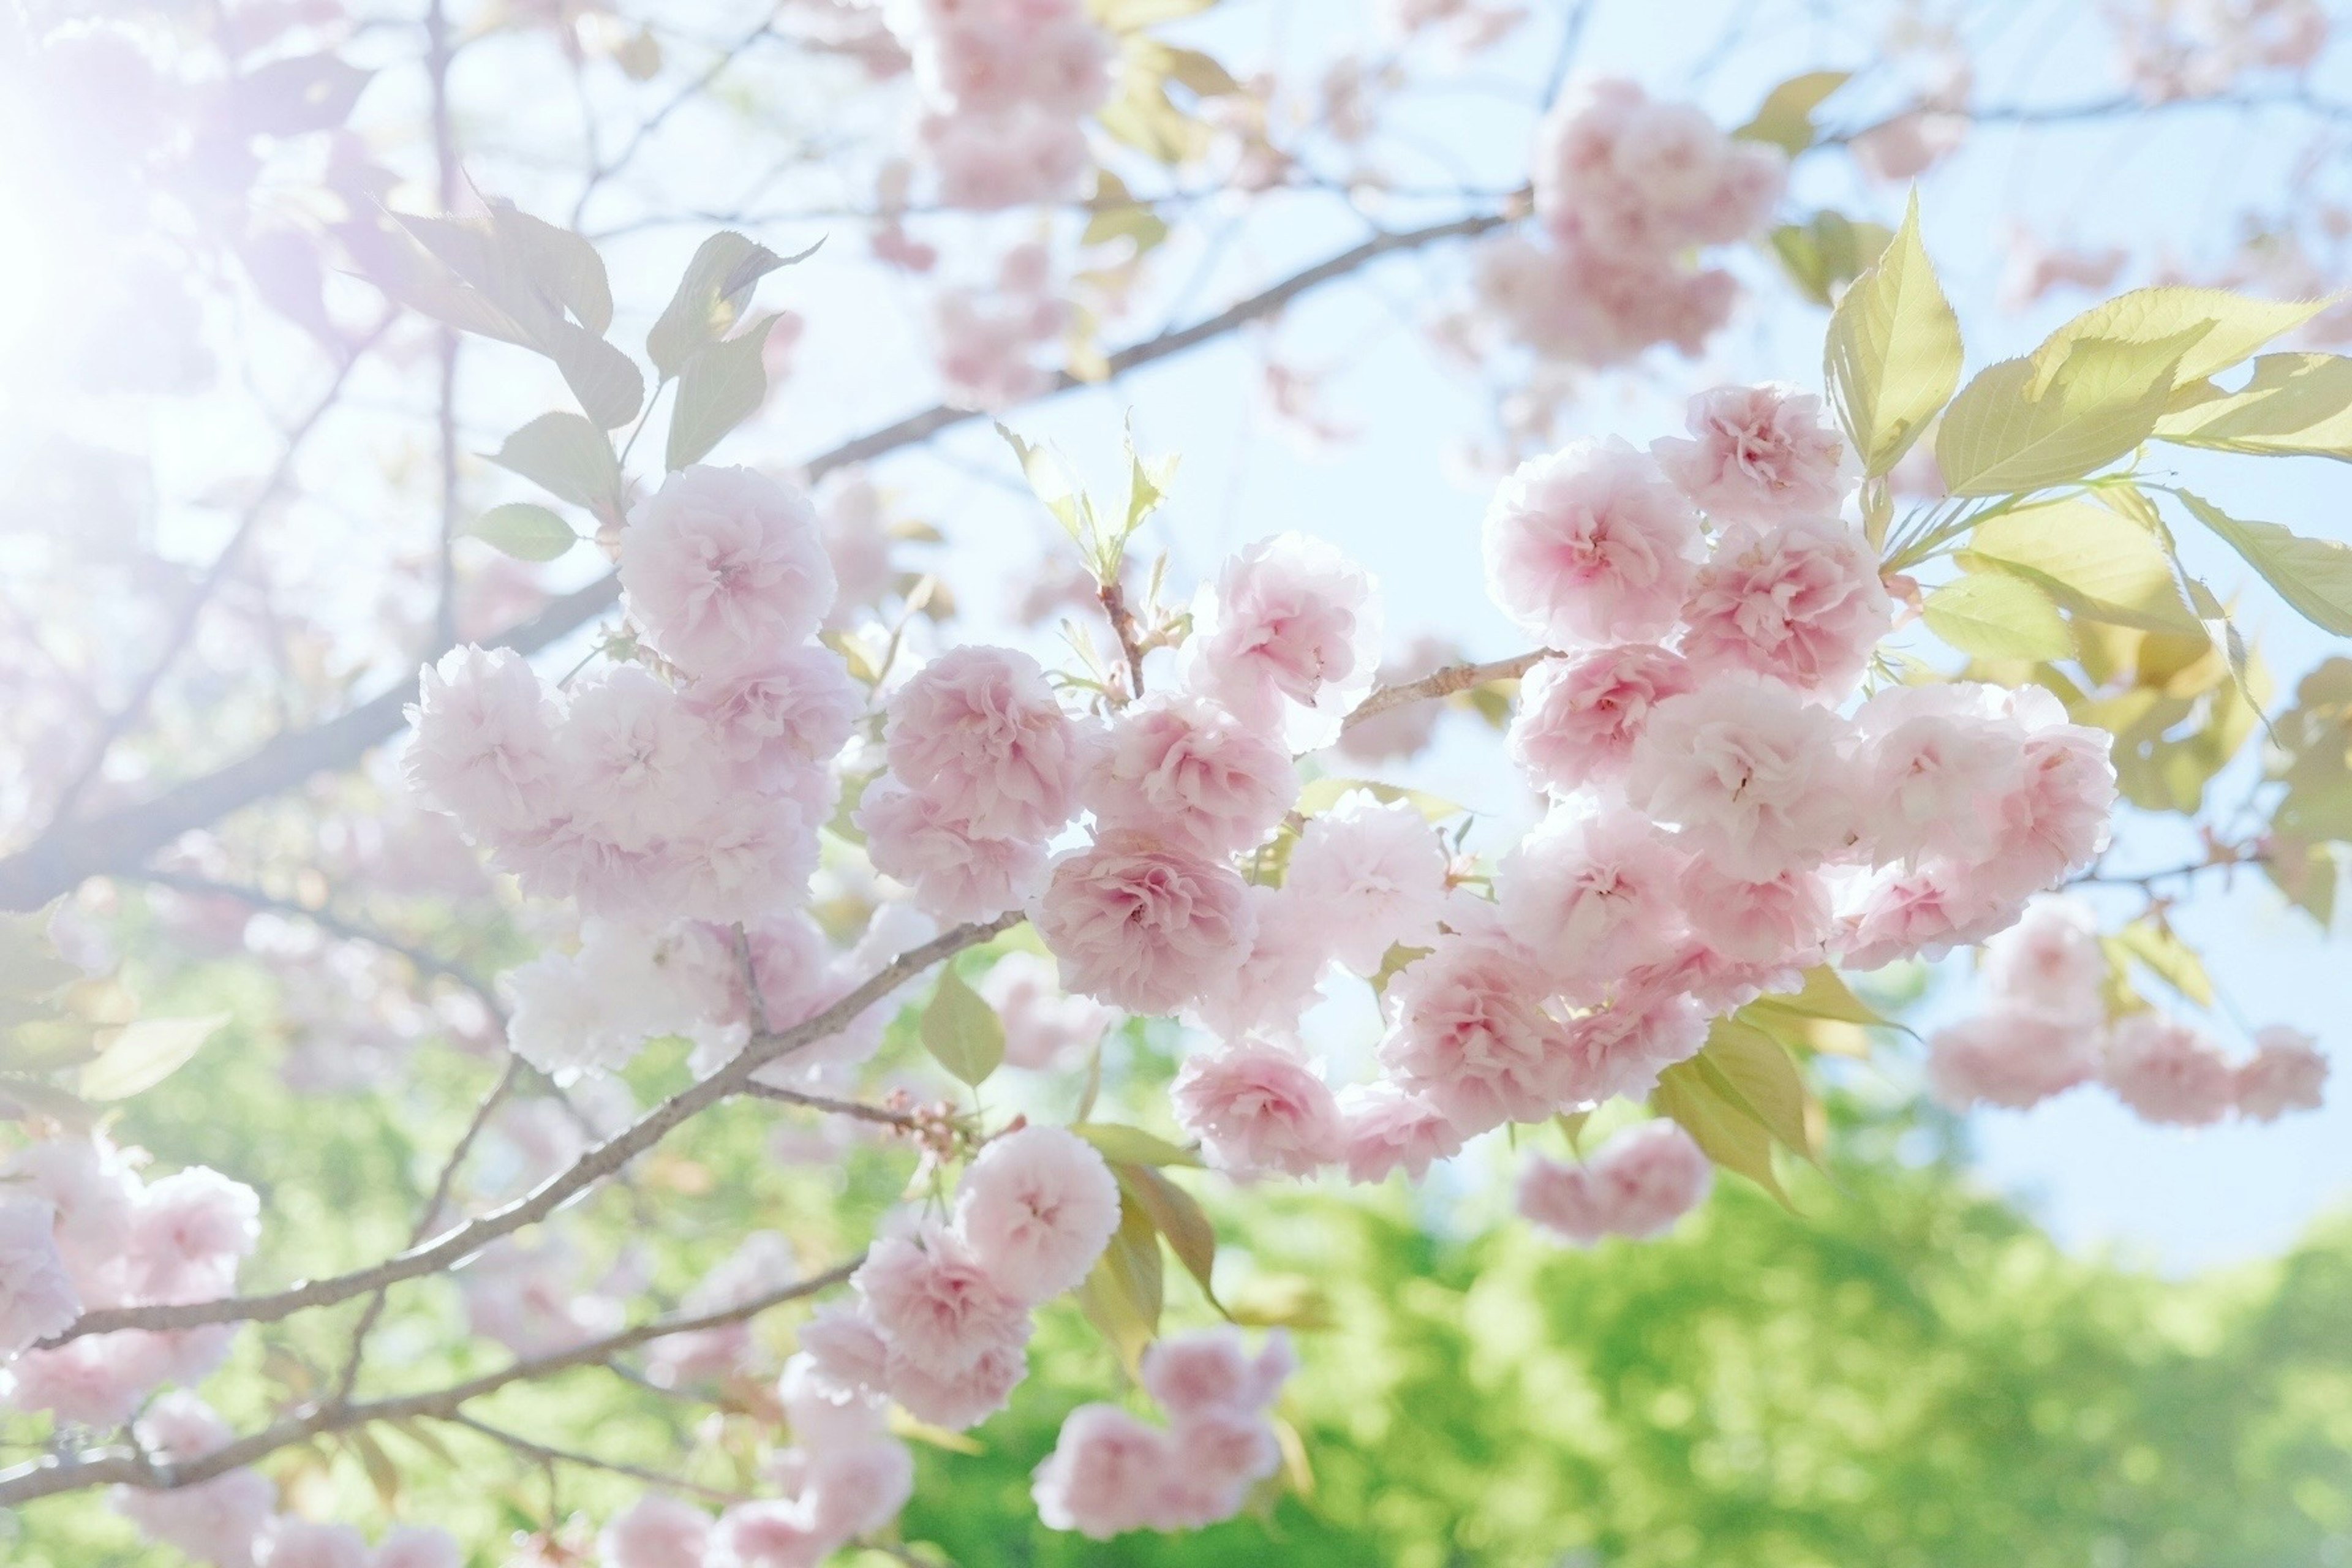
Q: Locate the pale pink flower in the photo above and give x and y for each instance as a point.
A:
(1749, 772)
(1280, 980)
(188, 1233)
(1922, 912)
(2168, 1070)
(1370, 874)
(1467, 1032)
(2055, 822)
(1628, 172)
(956, 874)
(1637, 1184)
(978, 732)
(2285, 1073)
(843, 1357)
(95, 1380)
(1227, 1449)
(745, 857)
(417, 1546)
(965, 1397)
(767, 1534)
(1578, 717)
(1590, 545)
(1016, 156)
(218, 1521)
(1761, 455)
(1288, 635)
(1798, 601)
(92, 1190)
(483, 749)
(1210, 1370)
(1184, 769)
(2011, 1055)
(797, 706)
(1100, 1477)
(1620, 1050)
(859, 1487)
(1045, 1028)
(725, 568)
(2049, 960)
(290, 1543)
(1258, 1111)
(1142, 925)
(1898, 151)
(762, 1263)
(654, 1532)
(1937, 763)
(1577, 303)
(37, 1297)
(1783, 919)
(632, 754)
(1387, 1128)
(1592, 896)
(1036, 1208)
(935, 1304)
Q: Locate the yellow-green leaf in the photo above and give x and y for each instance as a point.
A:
(146, 1053)
(2295, 404)
(2091, 561)
(1122, 1295)
(2022, 426)
(1320, 795)
(1786, 118)
(1753, 1070)
(962, 1032)
(1993, 615)
(1124, 1145)
(2169, 958)
(2220, 328)
(1729, 1134)
(1894, 354)
(1178, 1218)
(524, 530)
(720, 385)
(2314, 576)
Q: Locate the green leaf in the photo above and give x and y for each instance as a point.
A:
(1752, 1070)
(526, 531)
(962, 1032)
(567, 456)
(1995, 615)
(564, 266)
(1786, 119)
(2314, 576)
(1894, 354)
(1828, 250)
(712, 298)
(30, 964)
(1123, 1294)
(1125, 1145)
(2091, 561)
(2295, 404)
(2220, 328)
(1127, 15)
(1319, 795)
(2169, 957)
(1178, 1218)
(1825, 994)
(146, 1053)
(2023, 424)
(721, 386)
(608, 384)
(1729, 1133)
(1200, 73)
(1050, 482)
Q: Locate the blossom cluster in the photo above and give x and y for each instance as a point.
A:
(1636, 1184)
(1111, 1471)
(1006, 86)
(2044, 1028)
(1625, 188)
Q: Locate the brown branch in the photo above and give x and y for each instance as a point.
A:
(118, 841)
(1454, 678)
(883, 1115)
(542, 1454)
(48, 1477)
(455, 1246)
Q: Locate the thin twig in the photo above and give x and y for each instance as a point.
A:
(1446, 682)
(855, 1109)
(543, 1454)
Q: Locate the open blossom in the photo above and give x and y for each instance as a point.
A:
(979, 733)
(965, 1397)
(1281, 978)
(934, 1302)
(2049, 960)
(1798, 601)
(2011, 1055)
(1620, 1050)
(1101, 1477)
(1185, 768)
(1372, 873)
(1632, 173)
(1590, 545)
(843, 1361)
(1044, 1027)
(2168, 1070)
(725, 568)
(1142, 925)
(1574, 302)
(1763, 454)
(1936, 764)
(1749, 772)
(483, 743)
(417, 1546)
(189, 1232)
(768, 1533)
(1257, 1109)
(1036, 1208)
(797, 706)
(1211, 1369)
(1386, 1128)
(746, 856)
(956, 874)
(858, 1488)
(1580, 716)
(1288, 634)
(1015, 157)
(2285, 1073)
(2054, 822)
(217, 1522)
(37, 1297)
(290, 1543)
(655, 1532)
(632, 753)
(90, 1189)
(1592, 896)
(1637, 1184)
(1783, 921)
(1467, 1032)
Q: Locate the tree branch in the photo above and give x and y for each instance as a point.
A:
(1454, 678)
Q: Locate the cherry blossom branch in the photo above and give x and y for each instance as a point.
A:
(855, 1109)
(455, 1246)
(544, 1455)
(48, 1477)
(116, 841)
(1446, 682)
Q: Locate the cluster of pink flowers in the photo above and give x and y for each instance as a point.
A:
(2043, 1028)
(1111, 1471)
(2195, 49)
(1007, 86)
(989, 339)
(1625, 188)
(80, 1230)
(1637, 1184)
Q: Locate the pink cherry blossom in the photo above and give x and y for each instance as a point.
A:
(1102, 1473)
(956, 875)
(1227, 1449)
(1373, 875)
(1749, 772)
(1468, 1033)
(725, 568)
(37, 1297)
(483, 749)
(98, 1380)
(746, 856)
(218, 1521)
(1143, 925)
(2055, 822)
(2285, 1073)
(89, 1188)
(417, 1546)
(797, 706)
(1018, 156)
(1257, 1109)
(2049, 960)
(1387, 1128)
(843, 1357)
(1923, 913)
(1620, 1050)
(966, 1395)
(1937, 763)
(1044, 1027)
(188, 1233)
(1593, 897)
(2011, 1055)
(1278, 981)
(1632, 173)
(655, 1532)
(1763, 454)
(1780, 921)
(1036, 1208)
(2168, 1070)
(290, 1543)
(1577, 303)
(978, 732)
(767, 1534)
(630, 753)
(1288, 635)
(934, 1303)
(1578, 717)
(1590, 545)
(1637, 1184)
(1185, 769)
(858, 1488)
(1798, 601)
(1211, 1369)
